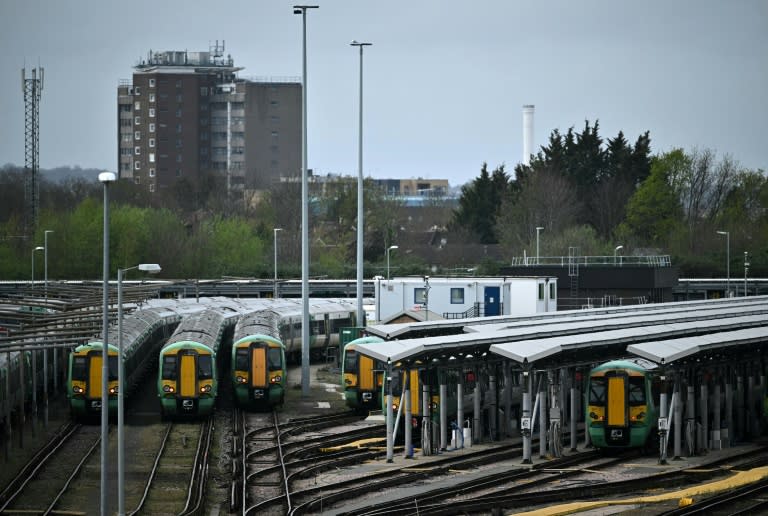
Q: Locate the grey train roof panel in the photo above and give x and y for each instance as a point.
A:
(668, 351)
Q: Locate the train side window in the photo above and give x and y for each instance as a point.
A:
(169, 368)
(112, 365)
(241, 359)
(636, 390)
(274, 359)
(597, 391)
(79, 368)
(204, 367)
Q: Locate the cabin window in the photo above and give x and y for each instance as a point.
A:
(597, 391)
(79, 368)
(204, 367)
(457, 296)
(552, 291)
(420, 295)
(241, 359)
(636, 390)
(350, 361)
(112, 367)
(169, 367)
(274, 359)
(541, 291)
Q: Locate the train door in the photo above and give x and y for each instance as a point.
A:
(365, 368)
(94, 374)
(187, 387)
(258, 367)
(617, 431)
(491, 301)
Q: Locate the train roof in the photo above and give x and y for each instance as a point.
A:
(633, 363)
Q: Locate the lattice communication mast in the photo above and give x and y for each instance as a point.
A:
(32, 87)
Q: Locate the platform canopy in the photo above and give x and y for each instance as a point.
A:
(669, 351)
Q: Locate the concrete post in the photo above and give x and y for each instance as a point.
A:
(493, 411)
(408, 420)
(543, 409)
(716, 417)
(477, 432)
(443, 413)
(678, 417)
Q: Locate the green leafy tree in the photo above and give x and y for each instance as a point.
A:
(479, 204)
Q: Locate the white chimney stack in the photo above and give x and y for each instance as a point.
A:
(527, 133)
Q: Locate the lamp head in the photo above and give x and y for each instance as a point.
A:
(39, 248)
(393, 247)
(619, 247)
(151, 268)
(722, 232)
(107, 177)
(539, 228)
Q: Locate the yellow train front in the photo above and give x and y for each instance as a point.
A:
(186, 382)
(259, 371)
(361, 377)
(620, 409)
(84, 380)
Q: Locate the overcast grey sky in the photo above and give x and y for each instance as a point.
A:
(444, 81)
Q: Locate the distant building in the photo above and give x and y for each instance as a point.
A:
(185, 114)
(458, 298)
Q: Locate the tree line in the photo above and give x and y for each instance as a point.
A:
(595, 194)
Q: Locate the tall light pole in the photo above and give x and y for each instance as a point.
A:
(38, 248)
(152, 268)
(538, 230)
(746, 269)
(46, 259)
(360, 221)
(616, 250)
(106, 178)
(274, 286)
(727, 261)
(388, 250)
(302, 10)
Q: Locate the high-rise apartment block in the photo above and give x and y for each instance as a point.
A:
(188, 114)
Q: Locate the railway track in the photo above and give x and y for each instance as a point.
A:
(271, 455)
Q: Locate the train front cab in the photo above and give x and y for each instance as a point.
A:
(85, 385)
(362, 377)
(259, 372)
(620, 409)
(187, 383)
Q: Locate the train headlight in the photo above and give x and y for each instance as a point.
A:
(205, 388)
(593, 415)
(276, 379)
(640, 416)
(113, 390)
(77, 389)
(241, 379)
(167, 388)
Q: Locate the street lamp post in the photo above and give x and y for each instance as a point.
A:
(727, 261)
(616, 250)
(388, 250)
(45, 351)
(154, 269)
(46, 259)
(538, 230)
(38, 248)
(274, 287)
(302, 10)
(746, 269)
(360, 221)
(106, 178)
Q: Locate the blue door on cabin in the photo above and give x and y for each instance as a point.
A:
(491, 300)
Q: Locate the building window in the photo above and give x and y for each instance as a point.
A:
(151, 187)
(152, 112)
(275, 119)
(151, 157)
(137, 180)
(274, 134)
(125, 151)
(137, 135)
(178, 172)
(204, 91)
(204, 135)
(137, 90)
(125, 166)
(151, 172)
(125, 122)
(125, 108)
(151, 97)
(137, 105)
(127, 137)
(137, 120)
(178, 83)
(420, 296)
(151, 142)
(137, 165)
(541, 291)
(457, 296)
(178, 158)
(178, 128)
(178, 113)
(137, 150)
(552, 291)
(151, 128)
(151, 83)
